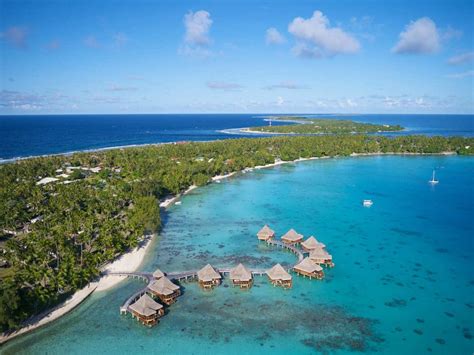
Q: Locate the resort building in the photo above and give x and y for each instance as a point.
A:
(165, 290)
(291, 237)
(278, 276)
(310, 269)
(240, 276)
(146, 310)
(208, 277)
(266, 233)
(158, 274)
(311, 243)
(321, 257)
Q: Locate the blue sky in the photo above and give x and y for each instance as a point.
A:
(236, 56)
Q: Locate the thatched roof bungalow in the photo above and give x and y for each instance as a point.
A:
(158, 274)
(165, 290)
(146, 310)
(310, 269)
(292, 237)
(311, 243)
(240, 276)
(321, 257)
(265, 233)
(278, 276)
(208, 277)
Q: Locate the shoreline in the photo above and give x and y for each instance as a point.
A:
(133, 259)
(248, 130)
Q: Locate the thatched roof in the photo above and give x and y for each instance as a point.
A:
(308, 266)
(278, 273)
(145, 306)
(163, 286)
(240, 273)
(320, 253)
(158, 274)
(208, 273)
(265, 232)
(312, 243)
(292, 236)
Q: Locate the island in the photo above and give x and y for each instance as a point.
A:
(301, 125)
(63, 218)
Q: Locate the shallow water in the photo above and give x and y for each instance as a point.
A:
(403, 280)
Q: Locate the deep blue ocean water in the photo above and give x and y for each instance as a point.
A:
(403, 281)
(24, 136)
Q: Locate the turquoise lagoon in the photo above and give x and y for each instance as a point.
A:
(403, 280)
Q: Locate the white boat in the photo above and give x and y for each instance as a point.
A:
(367, 203)
(433, 180)
(178, 203)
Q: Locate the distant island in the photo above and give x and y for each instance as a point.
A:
(302, 125)
(62, 218)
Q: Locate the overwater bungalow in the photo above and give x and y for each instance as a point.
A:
(165, 290)
(266, 233)
(208, 277)
(310, 269)
(278, 276)
(321, 257)
(146, 310)
(158, 274)
(291, 237)
(311, 243)
(240, 276)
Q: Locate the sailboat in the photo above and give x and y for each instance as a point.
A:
(433, 180)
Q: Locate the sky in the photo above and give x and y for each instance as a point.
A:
(271, 56)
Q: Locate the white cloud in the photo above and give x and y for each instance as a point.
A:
(222, 85)
(461, 59)
(420, 37)
(280, 101)
(122, 88)
(290, 85)
(197, 26)
(120, 39)
(16, 36)
(466, 74)
(196, 39)
(317, 39)
(53, 45)
(92, 42)
(272, 36)
(450, 33)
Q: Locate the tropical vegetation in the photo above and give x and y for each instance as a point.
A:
(56, 235)
(323, 126)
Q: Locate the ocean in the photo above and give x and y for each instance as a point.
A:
(402, 283)
(26, 136)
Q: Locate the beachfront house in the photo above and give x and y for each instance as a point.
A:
(321, 257)
(311, 243)
(278, 276)
(165, 290)
(146, 310)
(208, 277)
(240, 276)
(310, 269)
(292, 237)
(266, 233)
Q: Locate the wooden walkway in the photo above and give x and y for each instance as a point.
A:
(191, 275)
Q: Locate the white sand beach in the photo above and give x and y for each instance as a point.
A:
(128, 262)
